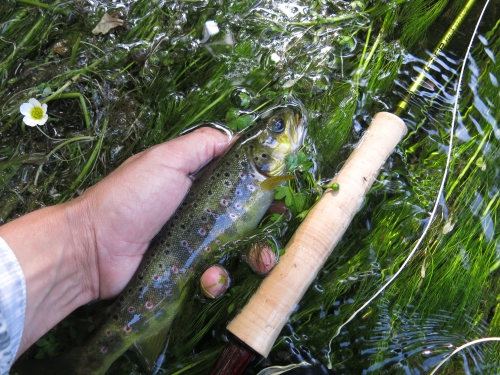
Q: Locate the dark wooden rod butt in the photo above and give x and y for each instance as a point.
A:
(234, 360)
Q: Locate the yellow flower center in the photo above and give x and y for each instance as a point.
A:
(36, 113)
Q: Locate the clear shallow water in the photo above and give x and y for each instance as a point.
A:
(447, 294)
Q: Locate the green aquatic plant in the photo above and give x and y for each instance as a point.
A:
(154, 77)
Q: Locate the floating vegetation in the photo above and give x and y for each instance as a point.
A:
(158, 68)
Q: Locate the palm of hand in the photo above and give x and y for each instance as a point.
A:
(131, 205)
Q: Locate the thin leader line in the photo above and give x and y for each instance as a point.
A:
(436, 204)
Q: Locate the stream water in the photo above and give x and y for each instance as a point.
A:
(167, 69)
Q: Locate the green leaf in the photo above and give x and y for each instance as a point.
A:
(295, 201)
(52, 349)
(298, 162)
(232, 113)
(42, 342)
(282, 192)
(240, 123)
(299, 201)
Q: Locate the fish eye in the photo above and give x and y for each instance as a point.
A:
(278, 124)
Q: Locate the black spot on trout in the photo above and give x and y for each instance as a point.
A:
(214, 212)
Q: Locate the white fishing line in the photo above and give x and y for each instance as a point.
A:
(470, 343)
(439, 198)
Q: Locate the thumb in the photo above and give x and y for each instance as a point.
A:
(191, 151)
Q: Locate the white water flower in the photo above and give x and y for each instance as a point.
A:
(34, 112)
(275, 58)
(211, 27)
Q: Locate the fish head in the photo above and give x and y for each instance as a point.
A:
(282, 134)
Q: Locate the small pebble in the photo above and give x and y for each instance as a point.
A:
(214, 281)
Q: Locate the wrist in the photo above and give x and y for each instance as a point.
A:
(82, 242)
(52, 247)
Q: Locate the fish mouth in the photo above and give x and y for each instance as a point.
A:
(298, 132)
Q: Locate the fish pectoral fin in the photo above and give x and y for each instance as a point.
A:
(275, 181)
(151, 348)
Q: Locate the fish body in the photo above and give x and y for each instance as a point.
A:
(225, 204)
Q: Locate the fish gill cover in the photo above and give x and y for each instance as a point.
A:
(155, 68)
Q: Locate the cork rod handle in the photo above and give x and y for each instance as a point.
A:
(261, 320)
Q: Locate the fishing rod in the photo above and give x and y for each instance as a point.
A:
(255, 329)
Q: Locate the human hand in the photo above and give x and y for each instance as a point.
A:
(89, 247)
(126, 209)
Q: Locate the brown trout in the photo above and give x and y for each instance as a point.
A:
(225, 204)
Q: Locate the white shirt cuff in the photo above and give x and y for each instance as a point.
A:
(12, 297)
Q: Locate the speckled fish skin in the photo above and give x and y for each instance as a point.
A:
(223, 205)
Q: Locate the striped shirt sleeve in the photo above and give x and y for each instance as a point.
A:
(12, 306)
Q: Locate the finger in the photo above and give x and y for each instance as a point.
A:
(261, 257)
(192, 151)
(214, 281)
